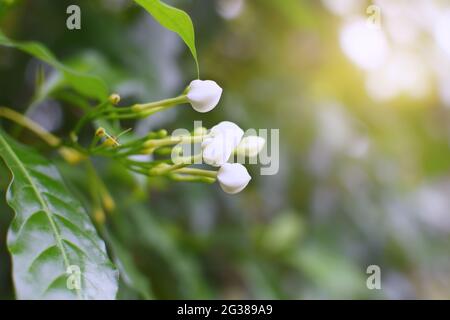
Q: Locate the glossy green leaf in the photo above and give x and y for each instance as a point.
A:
(173, 19)
(86, 84)
(51, 237)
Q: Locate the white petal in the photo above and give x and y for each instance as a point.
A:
(230, 130)
(204, 95)
(233, 177)
(217, 151)
(219, 146)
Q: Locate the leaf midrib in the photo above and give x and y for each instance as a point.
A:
(58, 238)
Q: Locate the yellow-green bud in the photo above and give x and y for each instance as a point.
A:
(99, 216)
(100, 132)
(108, 202)
(71, 155)
(162, 133)
(114, 98)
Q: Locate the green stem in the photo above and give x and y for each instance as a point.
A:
(30, 125)
(142, 110)
(170, 168)
(197, 172)
(187, 178)
(162, 103)
(92, 114)
(156, 143)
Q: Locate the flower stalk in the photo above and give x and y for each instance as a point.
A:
(163, 153)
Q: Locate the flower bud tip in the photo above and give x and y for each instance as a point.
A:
(233, 177)
(203, 95)
(100, 132)
(114, 98)
(99, 216)
(108, 203)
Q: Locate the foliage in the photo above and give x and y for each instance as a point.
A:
(173, 19)
(362, 181)
(51, 233)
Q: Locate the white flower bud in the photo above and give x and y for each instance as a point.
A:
(233, 177)
(229, 128)
(204, 95)
(217, 152)
(250, 146)
(224, 138)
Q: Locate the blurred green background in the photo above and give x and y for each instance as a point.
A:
(364, 117)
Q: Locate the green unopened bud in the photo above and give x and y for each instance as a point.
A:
(100, 132)
(111, 142)
(162, 133)
(114, 98)
(72, 156)
(73, 137)
(108, 202)
(99, 216)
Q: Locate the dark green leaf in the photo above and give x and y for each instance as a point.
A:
(173, 19)
(87, 85)
(51, 233)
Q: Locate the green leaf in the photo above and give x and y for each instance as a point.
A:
(86, 84)
(51, 233)
(175, 20)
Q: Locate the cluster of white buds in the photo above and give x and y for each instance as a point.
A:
(218, 145)
(224, 140)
